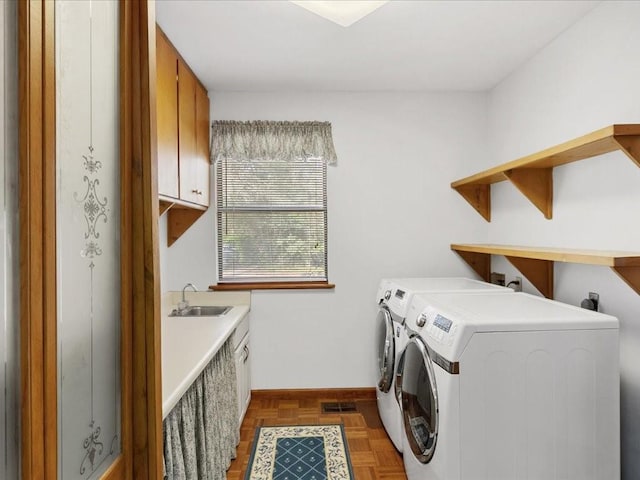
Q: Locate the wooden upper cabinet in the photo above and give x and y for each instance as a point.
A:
(183, 130)
(167, 106)
(187, 131)
(202, 144)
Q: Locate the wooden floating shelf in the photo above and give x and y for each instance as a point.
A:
(181, 215)
(536, 263)
(533, 174)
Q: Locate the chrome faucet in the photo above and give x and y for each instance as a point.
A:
(183, 305)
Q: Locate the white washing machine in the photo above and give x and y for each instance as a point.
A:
(394, 297)
(509, 387)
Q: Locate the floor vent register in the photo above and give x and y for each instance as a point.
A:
(338, 407)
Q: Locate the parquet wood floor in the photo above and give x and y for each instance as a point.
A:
(373, 456)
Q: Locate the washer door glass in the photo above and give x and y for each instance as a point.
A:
(419, 399)
(386, 348)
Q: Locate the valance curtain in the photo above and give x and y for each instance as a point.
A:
(272, 141)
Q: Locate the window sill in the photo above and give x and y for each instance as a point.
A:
(271, 286)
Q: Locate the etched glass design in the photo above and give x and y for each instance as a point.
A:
(87, 237)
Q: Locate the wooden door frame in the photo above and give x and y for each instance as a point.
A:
(141, 456)
(140, 260)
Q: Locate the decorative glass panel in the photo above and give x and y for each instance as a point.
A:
(9, 241)
(88, 236)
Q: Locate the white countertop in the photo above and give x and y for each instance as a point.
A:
(189, 343)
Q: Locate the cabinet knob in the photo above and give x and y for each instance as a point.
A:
(197, 192)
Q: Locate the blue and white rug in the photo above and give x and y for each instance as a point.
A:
(309, 452)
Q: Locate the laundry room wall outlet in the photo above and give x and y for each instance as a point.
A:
(497, 278)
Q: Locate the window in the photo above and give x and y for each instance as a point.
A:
(272, 220)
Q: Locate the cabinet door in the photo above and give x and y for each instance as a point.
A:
(167, 106)
(203, 166)
(246, 379)
(243, 377)
(187, 132)
(239, 358)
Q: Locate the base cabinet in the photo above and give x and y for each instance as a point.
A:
(243, 373)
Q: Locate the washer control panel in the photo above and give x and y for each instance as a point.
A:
(438, 327)
(397, 300)
(442, 323)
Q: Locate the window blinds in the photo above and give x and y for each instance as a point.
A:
(272, 220)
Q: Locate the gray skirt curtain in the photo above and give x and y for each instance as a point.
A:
(202, 431)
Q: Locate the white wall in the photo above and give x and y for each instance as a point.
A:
(588, 78)
(397, 154)
(9, 400)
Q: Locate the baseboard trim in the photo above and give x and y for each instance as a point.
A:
(325, 394)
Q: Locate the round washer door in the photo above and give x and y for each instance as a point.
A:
(386, 348)
(419, 399)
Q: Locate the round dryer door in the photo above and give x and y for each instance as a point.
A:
(419, 398)
(386, 348)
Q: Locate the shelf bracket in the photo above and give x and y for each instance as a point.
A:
(538, 272)
(479, 197)
(179, 220)
(537, 185)
(480, 262)
(164, 206)
(630, 275)
(630, 145)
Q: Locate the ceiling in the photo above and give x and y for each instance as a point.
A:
(410, 45)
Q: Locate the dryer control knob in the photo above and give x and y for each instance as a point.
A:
(422, 319)
(387, 295)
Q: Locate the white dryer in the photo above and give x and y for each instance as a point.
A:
(509, 387)
(393, 298)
